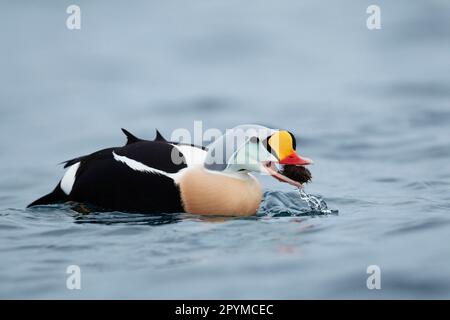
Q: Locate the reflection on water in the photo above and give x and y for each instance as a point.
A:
(127, 218)
(274, 204)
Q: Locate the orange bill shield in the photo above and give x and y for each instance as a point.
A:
(283, 145)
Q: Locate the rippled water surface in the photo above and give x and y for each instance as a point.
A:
(372, 108)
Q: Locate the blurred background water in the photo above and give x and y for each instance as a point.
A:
(372, 108)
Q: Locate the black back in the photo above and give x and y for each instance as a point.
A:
(105, 182)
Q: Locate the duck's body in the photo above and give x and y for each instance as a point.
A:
(138, 177)
(157, 177)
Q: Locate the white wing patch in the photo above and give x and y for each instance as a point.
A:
(138, 166)
(193, 155)
(68, 179)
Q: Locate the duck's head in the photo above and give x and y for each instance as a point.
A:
(253, 148)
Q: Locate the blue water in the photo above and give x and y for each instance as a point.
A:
(372, 108)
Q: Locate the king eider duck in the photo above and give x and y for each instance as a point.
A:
(161, 176)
